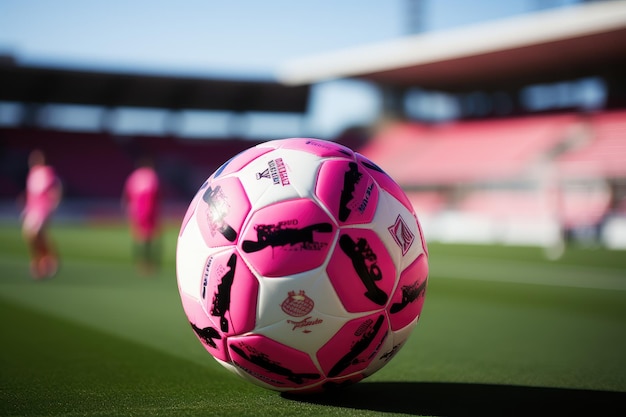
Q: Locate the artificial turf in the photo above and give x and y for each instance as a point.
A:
(503, 332)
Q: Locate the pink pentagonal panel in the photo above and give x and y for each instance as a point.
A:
(354, 346)
(407, 301)
(385, 181)
(361, 270)
(348, 191)
(287, 238)
(273, 362)
(221, 212)
(206, 331)
(317, 147)
(229, 293)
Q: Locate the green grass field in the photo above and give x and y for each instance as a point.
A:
(503, 332)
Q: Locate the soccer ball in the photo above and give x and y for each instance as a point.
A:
(301, 265)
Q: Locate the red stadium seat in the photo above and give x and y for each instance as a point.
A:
(604, 155)
(467, 151)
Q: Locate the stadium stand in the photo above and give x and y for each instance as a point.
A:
(468, 151)
(515, 180)
(94, 166)
(520, 176)
(604, 154)
(40, 85)
(475, 178)
(547, 163)
(593, 180)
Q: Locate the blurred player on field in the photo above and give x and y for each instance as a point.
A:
(42, 197)
(141, 201)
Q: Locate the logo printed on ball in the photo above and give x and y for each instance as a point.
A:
(205, 276)
(297, 305)
(207, 335)
(410, 293)
(402, 234)
(278, 235)
(350, 179)
(364, 263)
(305, 323)
(366, 336)
(221, 298)
(366, 198)
(276, 171)
(390, 354)
(263, 360)
(216, 211)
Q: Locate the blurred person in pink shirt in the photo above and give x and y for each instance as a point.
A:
(141, 201)
(42, 197)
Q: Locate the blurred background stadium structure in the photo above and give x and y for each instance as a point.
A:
(508, 129)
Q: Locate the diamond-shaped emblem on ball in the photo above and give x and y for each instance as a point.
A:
(401, 233)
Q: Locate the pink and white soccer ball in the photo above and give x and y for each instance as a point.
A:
(301, 265)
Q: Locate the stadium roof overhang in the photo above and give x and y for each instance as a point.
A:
(39, 85)
(558, 44)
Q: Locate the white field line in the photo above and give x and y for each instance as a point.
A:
(471, 268)
(528, 273)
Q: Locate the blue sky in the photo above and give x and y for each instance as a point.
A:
(238, 39)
